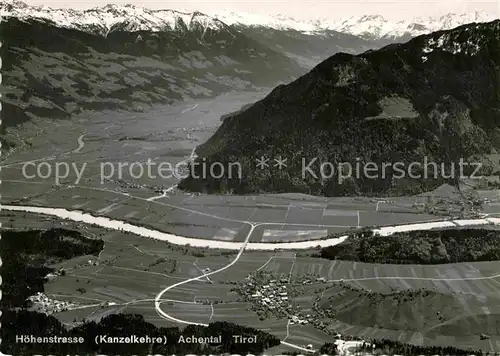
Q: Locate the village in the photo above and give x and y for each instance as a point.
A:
(275, 295)
(269, 295)
(43, 304)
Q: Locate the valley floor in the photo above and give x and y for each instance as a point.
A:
(134, 274)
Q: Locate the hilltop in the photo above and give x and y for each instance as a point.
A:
(436, 97)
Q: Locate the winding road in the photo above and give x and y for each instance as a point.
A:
(80, 144)
(159, 295)
(164, 315)
(121, 225)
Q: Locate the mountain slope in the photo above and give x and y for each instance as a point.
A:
(308, 49)
(437, 96)
(54, 71)
(310, 42)
(431, 313)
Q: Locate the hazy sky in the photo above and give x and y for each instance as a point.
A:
(301, 9)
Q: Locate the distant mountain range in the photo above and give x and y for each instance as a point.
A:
(376, 27)
(109, 18)
(59, 63)
(306, 42)
(371, 27)
(436, 96)
(102, 20)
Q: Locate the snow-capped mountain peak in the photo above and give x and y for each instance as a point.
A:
(379, 27)
(367, 26)
(103, 19)
(277, 22)
(135, 18)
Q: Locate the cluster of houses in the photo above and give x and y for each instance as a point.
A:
(266, 294)
(275, 295)
(43, 304)
(449, 202)
(272, 295)
(46, 305)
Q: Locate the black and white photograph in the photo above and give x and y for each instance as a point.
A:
(250, 178)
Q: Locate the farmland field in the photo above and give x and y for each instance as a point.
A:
(130, 271)
(318, 299)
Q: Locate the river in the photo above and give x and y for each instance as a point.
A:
(79, 216)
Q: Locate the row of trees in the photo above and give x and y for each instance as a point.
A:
(391, 347)
(419, 247)
(25, 255)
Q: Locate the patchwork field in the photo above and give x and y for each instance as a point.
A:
(211, 216)
(360, 299)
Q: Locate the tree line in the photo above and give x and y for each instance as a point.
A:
(418, 247)
(26, 254)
